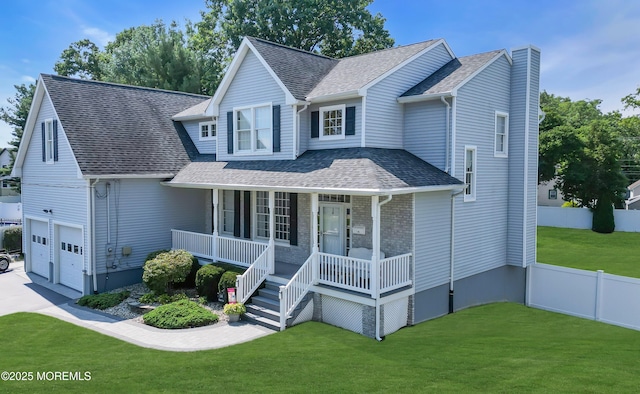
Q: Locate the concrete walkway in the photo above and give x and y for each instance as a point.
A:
(25, 292)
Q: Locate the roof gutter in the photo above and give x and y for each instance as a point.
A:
(424, 97)
(338, 96)
(130, 176)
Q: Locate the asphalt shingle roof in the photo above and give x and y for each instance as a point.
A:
(120, 129)
(365, 169)
(449, 76)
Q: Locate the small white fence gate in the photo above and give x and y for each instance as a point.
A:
(598, 296)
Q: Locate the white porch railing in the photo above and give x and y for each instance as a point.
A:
(198, 244)
(257, 272)
(395, 272)
(239, 251)
(295, 290)
(345, 272)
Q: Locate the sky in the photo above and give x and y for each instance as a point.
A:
(590, 48)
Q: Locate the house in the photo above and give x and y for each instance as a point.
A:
(5, 184)
(369, 192)
(633, 196)
(549, 195)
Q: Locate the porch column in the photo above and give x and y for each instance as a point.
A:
(214, 225)
(272, 227)
(375, 243)
(314, 238)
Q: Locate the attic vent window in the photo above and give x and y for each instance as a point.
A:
(207, 130)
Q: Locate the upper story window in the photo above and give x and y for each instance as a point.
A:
(252, 129)
(332, 122)
(48, 140)
(553, 194)
(470, 173)
(207, 130)
(502, 134)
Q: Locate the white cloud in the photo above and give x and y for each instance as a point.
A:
(28, 79)
(98, 36)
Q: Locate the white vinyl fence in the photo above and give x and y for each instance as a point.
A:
(598, 296)
(628, 221)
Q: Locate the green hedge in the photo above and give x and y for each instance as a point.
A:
(13, 238)
(180, 314)
(167, 268)
(207, 280)
(104, 300)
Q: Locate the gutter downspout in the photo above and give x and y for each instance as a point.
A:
(452, 167)
(447, 133)
(451, 252)
(377, 265)
(93, 234)
(296, 140)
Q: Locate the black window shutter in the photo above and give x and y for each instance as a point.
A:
(350, 122)
(315, 124)
(247, 214)
(44, 143)
(55, 140)
(230, 132)
(236, 213)
(276, 128)
(293, 219)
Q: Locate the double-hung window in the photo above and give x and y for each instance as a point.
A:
(332, 122)
(282, 218)
(470, 174)
(48, 140)
(228, 213)
(253, 129)
(502, 134)
(207, 130)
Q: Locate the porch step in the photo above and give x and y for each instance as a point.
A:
(264, 308)
(264, 312)
(266, 302)
(270, 293)
(261, 320)
(272, 286)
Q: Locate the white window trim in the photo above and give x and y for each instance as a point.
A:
(341, 107)
(212, 126)
(254, 223)
(49, 155)
(474, 178)
(252, 151)
(505, 152)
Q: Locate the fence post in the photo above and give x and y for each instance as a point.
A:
(598, 294)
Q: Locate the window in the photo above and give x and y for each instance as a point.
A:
(282, 218)
(207, 130)
(228, 218)
(332, 121)
(470, 173)
(48, 140)
(553, 194)
(252, 129)
(5, 184)
(502, 134)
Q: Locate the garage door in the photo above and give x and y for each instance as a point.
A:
(71, 257)
(39, 247)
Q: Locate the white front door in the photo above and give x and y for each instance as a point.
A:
(332, 229)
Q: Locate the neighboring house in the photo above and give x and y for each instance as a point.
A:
(549, 195)
(5, 185)
(377, 191)
(633, 199)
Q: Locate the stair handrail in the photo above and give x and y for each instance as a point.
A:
(294, 291)
(248, 283)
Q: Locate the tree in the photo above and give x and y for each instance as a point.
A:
(334, 28)
(81, 59)
(16, 115)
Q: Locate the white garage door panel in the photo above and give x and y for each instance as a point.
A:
(39, 244)
(71, 254)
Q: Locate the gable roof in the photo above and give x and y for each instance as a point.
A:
(358, 170)
(451, 76)
(198, 111)
(117, 129)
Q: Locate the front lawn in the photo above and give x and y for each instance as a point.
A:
(616, 253)
(494, 348)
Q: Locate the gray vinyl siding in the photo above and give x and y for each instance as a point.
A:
(384, 117)
(253, 85)
(143, 212)
(425, 130)
(304, 131)
(517, 122)
(55, 186)
(349, 141)
(193, 128)
(432, 239)
(480, 225)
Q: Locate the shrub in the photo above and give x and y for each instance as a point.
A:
(165, 269)
(227, 280)
(167, 299)
(234, 309)
(570, 204)
(13, 238)
(155, 254)
(190, 281)
(148, 298)
(104, 300)
(207, 280)
(180, 314)
(603, 220)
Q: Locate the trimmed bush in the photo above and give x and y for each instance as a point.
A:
(603, 220)
(207, 280)
(104, 300)
(570, 204)
(190, 281)
(227, 280)
(155, 254)
(180, 314)
(13, 238)
(165, 269)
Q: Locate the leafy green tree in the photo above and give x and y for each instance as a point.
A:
(81, 59)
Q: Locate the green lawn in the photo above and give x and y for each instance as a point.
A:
(616, 253)
(493, 348)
